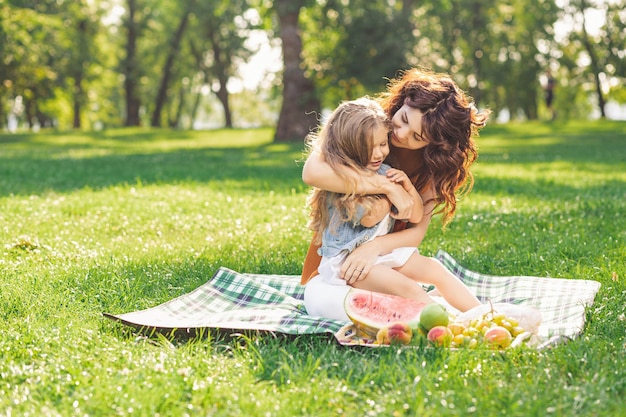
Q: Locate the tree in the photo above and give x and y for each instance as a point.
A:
(31, 61)
(130, 65)
(173, 51)
(594, 62)
(522, 48)
(5, 67)
(70, 62)
(596, 59)
(615, 42)
(490, 47)
(218, 44)
(300, 107)
(78, 52)
(350, 50)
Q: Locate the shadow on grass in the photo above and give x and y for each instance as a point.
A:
(47, 163)
(245, 169)
(546, 190)
(255, 168)
(573, 142)
(124, 135)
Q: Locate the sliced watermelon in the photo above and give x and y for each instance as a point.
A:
(370, 311)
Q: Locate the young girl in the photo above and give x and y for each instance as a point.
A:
(356, 136)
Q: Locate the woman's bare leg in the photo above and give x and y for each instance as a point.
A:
(389, 281)
(430, 271)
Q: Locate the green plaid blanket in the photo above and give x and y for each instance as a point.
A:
(233, 301)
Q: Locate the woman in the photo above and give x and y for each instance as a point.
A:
(431, 140)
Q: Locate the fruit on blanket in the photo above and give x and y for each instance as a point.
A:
(433, 315)
(525, 317)
(492, 330)
(440, 336)
(498, 337)
(497, 326)
(517, 330)
(421, 330)
(456, 328)
(398, 332)
(371, 311)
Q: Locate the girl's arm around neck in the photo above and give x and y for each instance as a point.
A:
(317, 173)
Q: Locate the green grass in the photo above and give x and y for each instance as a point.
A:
(126, 219)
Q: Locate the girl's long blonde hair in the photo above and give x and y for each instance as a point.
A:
(345, 140)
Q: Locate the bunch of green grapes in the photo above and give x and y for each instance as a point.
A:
(492, 329)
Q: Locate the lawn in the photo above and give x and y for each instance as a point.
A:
(122, 220)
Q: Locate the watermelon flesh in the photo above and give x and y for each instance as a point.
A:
(370, 311)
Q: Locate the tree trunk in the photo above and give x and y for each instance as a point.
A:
(478, 27)
(197, 54)
(595, 66)
(131, 79)
(78, 94)
(78, 72)
(601, 101)
(300, 107)
(167, 69)
(194, 110)
(29, 113)
(222, 95)
(220, 66)
(175, 121)
(3, 116)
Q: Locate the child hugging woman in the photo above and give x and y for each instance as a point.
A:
(356, 137)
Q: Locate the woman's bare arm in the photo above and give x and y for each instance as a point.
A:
(317, 173)
(399, 177)
(418, 207)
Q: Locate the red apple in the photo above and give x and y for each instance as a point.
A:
(440, 335)
(498, 337)
(399, 332)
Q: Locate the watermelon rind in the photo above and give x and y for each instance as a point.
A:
(370, 311)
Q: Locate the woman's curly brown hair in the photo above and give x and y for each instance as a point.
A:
(450, 121)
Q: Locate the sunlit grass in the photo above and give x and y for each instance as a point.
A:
(126, 219)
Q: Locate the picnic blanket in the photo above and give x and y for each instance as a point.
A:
(233, 301)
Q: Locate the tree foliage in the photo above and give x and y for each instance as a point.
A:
(596, 60)
(98, 63)
(350, 49)
(217, 44)
(29, 61)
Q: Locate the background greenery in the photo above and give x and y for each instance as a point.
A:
(93, 64)
(126, 219)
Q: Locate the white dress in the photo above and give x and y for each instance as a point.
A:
(324, 294)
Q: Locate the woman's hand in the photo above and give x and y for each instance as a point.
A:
(401, 200)
(399, 177)
(358, 264)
